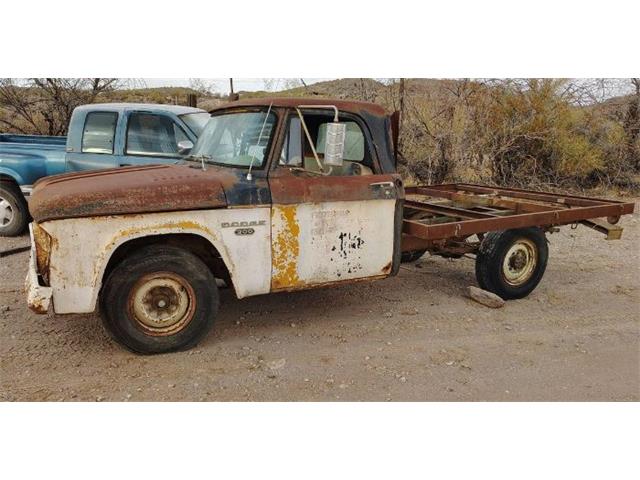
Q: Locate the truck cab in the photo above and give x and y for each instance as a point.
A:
(117, 135)
(256, 203)
(100, 136)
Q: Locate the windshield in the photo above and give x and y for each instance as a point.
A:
(196, 121)
(236, 139)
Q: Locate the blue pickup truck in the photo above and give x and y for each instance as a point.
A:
(100, 136)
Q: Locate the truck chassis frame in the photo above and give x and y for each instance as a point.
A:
(442, 218)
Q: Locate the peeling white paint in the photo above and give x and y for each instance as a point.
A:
(336, 241)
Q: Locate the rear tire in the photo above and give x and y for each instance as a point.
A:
(159, 299)
(14, 212)
(512, 263)
(410, 257)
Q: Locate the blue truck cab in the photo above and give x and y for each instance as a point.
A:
(99, 136)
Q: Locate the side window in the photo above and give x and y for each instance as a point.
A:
(179, 133)
(149, 134)
(298, 151)
(99, 132)
(292, 148)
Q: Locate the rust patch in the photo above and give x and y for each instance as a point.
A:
(290, 187)
(141, 231)
(36, 306)
(129, 190)
(38, 298)
(291, 102)
(285, 249)
(333, 283)
(181, 224)
(43, 244)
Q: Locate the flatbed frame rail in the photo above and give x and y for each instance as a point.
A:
(457, 211)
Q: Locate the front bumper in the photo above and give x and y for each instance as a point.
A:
(26, 190)
(38, 296)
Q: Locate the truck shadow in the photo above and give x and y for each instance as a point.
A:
(266, 314)
(323, 305)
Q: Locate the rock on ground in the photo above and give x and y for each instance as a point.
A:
(487, 299)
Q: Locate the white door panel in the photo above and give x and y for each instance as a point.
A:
(317, 243)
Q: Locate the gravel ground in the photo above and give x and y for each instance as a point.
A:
(413, 337)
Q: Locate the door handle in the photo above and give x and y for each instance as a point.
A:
(387, 189)
(382, 184)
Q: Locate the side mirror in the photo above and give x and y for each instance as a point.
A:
(334, 144)
(184, 147)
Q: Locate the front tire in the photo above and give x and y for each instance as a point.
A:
(14, 212)
(160, 299)
(512, 263)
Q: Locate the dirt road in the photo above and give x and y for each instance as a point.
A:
(412, 337)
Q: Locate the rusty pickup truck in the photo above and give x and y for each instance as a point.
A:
(277, 195)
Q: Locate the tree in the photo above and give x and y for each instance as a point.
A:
(276, 84)
(44, 105)
(203, 86)
(632, 126)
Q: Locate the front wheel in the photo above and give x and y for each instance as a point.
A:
(511, 263)
(160, 299)
(14, 213)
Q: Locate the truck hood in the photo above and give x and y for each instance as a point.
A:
(128, 190)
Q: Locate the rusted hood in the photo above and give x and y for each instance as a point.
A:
(153, 188)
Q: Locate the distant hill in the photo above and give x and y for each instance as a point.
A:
(162, 95)
(366, 89)
(148, 95)
(342, 88)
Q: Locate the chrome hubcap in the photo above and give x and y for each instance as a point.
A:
(520, 262)
(162, 303)
(6, 212)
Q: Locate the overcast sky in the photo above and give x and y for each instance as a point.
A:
(222, 84)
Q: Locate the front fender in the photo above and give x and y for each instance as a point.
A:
(82, 247)
(7, 172)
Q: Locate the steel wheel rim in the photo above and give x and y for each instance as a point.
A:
(6, 212)
(520, 262)
(162, 303)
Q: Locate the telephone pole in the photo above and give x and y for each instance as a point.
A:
(232, 96)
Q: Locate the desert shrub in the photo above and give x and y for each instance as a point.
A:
(522, 133)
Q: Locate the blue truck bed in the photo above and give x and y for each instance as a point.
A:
(7, 139)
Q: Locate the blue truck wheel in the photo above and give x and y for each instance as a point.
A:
(14, 213)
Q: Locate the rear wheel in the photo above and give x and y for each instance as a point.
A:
(409, 257)
(160, 299)
(512, 263)
(14, 213)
